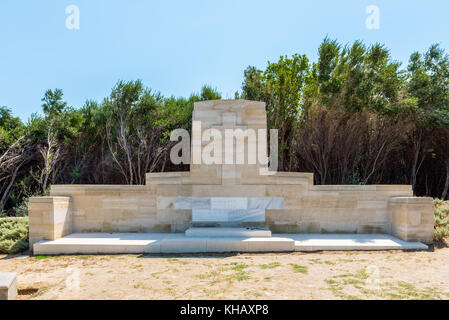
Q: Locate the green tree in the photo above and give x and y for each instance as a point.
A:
(12, 147)
(53, 103)
(280, 87)
(50, 148)
(429, 84)
(132, 131)
(357, 77)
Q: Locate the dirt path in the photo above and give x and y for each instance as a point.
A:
(339, 275)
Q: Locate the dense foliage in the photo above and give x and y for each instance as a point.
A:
(13, 235)
(441, 220)
(355, 116)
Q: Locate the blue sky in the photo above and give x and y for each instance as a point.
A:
(176, 46)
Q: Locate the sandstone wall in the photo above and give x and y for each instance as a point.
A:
(307, 208)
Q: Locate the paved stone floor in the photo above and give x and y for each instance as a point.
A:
(80, 243)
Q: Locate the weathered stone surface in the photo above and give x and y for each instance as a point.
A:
(232, 209)
(223, 215)
(49, 218)
(8, 285)
(227, 203)
(412, 218)
(228, 232)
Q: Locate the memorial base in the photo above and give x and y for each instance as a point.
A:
(216, 242)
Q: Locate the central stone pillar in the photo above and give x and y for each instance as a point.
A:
(223, 116)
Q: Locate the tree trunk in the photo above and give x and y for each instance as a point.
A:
(6, 193)
(446, 185)
(416, 163)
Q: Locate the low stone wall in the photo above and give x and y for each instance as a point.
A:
(113, 208)
(335, 209)
(307, 209)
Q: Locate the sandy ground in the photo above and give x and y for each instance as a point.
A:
(325, 275)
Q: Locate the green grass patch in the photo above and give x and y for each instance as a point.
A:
(45, 257)
(176, 260)
(239, 267)
(86, 257)
(343, 276)
(318, 261)
(271, 265)
(299, 269)
(345, 285)
(241, 275)
(214, 275)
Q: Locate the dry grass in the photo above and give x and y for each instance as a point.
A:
(338, 275)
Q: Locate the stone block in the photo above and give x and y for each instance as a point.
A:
(276, 244)
(8, 285)
(51, 218)
(339, 227)
(184, 245)
(412, 218)
(227, 245)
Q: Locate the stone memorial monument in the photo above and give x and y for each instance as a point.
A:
(213, 199)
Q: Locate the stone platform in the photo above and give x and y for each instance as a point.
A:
(120, 243)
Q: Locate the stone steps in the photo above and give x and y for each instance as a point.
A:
(140, 243)
(160, 243)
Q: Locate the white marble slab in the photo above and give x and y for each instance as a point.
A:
(228, 203)
(228, 209)
(266, 203)
(207, 215)
(250, 215)
(222, 215)
(192, 203)
(201, 203)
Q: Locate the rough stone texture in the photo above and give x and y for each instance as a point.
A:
(412, 218)
(8, 285)
(307, 208)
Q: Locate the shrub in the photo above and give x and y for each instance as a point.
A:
(20, 210)
(13, 235)
(441, 219)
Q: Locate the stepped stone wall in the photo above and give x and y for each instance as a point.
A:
(389, 209)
